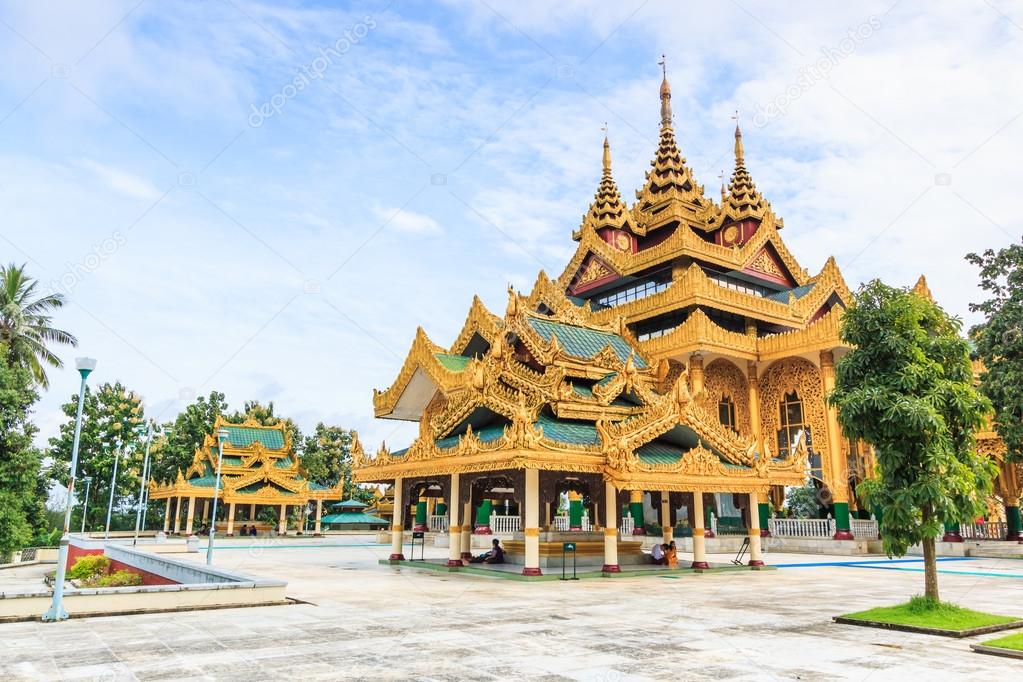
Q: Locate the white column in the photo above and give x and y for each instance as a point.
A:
(177, 515)
(282, 522)
(396, 525)
(454, 529)
(666, 529)
(755, 559)
(191, 515)
(252, 512)
(610, 529)
(531, 532)
(319, 513)
(230, 519)
(699, 545)
(467, 530)
(166, 517)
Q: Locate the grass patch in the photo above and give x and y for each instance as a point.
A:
(1014, 642)
(927, 613)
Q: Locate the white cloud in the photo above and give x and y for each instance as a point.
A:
(121, 181)
(408, 222)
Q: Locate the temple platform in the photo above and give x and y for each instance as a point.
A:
(589, 550)
(510, 571)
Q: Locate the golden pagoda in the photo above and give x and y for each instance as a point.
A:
(259, 468)
(681, 361)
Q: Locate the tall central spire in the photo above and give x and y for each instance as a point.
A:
(743, 200)
(665, 93)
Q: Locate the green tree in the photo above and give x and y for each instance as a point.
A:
(999, 344)
(20, 504)
(907, 389)
(804, 502)
(176, 447)
(327, 459)
(25, 329)
(113, 421)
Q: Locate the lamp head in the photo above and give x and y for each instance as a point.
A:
(87, 479)
(85, 366)
(222, 434)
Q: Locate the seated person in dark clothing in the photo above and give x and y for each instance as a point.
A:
(494, 556)
(252, 531)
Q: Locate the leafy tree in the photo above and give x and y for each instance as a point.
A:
(907, 389)
(113, 421)
(999, 344)
(25, 329)
(804, 502)
(327, 459)
(20, 504)
(175, 448)
(264, 415)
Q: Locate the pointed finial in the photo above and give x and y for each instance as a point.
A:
(665, 93)
(739, 152)
(721, 176)
(607, 150)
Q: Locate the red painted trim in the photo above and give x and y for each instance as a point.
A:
(610, 568)
(764, 533)
(708, 533)
(396, 557)
(700, 565)
(531, 571)
(843, 535)
(452, 563)
(638, 531)
(755, 562)
(147, 577)
(952, 536)
(466, 555)
(483, 530)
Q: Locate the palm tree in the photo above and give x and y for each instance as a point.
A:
(25, 327)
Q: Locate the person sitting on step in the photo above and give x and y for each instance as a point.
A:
(494, 556)
(657, 555)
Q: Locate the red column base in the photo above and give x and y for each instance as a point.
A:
(952, 536)
(764, 533)
(843, 535)
(610, 568)
(420, 527)
(754, 563)
(453, 563)
(396, 557)
(531, 571)
(708, 533)
(639, 531)
(575, 527)
(700, 565)
(482, 530)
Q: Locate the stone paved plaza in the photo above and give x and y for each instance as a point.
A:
(363, 620)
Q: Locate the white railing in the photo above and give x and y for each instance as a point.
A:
(802, 528)
(561, 523)
(438, 523)
(864, 529)
(504, 525)
(627, 526)
(984, 531)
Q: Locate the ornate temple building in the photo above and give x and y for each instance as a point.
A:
(679, 363)
(259, 469)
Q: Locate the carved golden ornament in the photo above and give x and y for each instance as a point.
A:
(722, 379)
(803, 377)
(765, 264)
(531, 532)
(593, 271)
(730, 235)
(622, 242)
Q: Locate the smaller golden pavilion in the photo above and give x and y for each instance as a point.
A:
(260, 468)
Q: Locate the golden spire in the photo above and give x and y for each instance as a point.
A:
(607, 152)
(665, 93)
(743, 199)
(739, 152)
(607, 209)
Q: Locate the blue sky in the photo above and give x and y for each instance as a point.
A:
(214, 227)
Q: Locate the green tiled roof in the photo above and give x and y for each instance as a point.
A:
(659, 452)
(485, 434)
(244, 436)
(317, 486)
(584, 343)
(232, 461)
(349, 504)
(283, 463)
(798, 292)
(567, 431)
(454, 363)
(203, 481)
(353, 518)
(586, 392)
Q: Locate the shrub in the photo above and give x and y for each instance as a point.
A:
(121, 578)
(89, 566)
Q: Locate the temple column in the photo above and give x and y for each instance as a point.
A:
(252, 512)
(206, 511)
(666, 528)
(421, 511)
(839, 483)
(230, 519)
(610, 530)
(191, 515)
(467, 530)
(763, 507)
(575, 511)
(699, 545)
(531, 533)
(454, 531)
(483, 518)
(636, 509)
(283, 520)
(1013, 523)
(397, 527)
(166, 516)
(696, 373)
(319, 513)
(755, 558)
(177, 515)
(952, 533)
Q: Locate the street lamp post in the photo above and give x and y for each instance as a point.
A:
(143, 502)
(221, 437)
(57, 611)
(113, 488)
(85, 504)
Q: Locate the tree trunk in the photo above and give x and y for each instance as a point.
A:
(930, 562)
